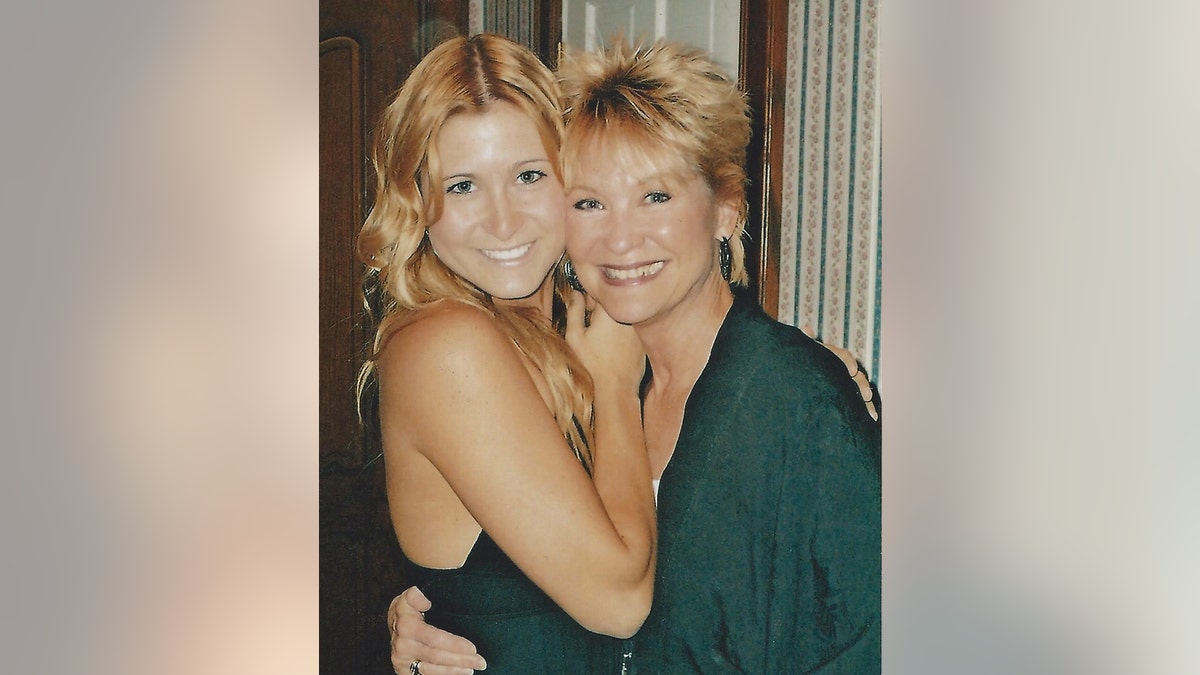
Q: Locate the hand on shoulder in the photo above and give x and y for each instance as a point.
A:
(854, 368)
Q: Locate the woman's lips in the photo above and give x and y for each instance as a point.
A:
(631, 274)
(506, 254)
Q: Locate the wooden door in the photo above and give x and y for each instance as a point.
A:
(367, 47)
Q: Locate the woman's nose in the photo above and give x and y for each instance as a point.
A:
(505, 217)
(621, 232)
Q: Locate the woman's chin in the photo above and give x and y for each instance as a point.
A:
(516, 291)
(628, 313)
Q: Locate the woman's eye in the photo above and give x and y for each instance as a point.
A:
(587, 204)
(531, 176)
(462, 187)
(658, 197)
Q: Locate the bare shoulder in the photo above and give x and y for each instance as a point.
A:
(449, 377)
(446, 340)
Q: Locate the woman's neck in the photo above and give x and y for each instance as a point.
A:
(542, 299)
(679, 343)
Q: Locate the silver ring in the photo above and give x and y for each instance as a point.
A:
(414, 668)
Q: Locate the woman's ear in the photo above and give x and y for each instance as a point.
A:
(728, 215)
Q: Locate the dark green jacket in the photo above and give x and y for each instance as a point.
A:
(768, 515)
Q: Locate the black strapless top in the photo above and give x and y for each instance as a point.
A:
(512, 622)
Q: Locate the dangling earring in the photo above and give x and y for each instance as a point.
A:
(569, 273)
(726, 257)
(429, 241)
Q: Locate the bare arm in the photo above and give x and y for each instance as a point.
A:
(454, 390)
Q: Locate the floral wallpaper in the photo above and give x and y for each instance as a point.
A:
(829, 272)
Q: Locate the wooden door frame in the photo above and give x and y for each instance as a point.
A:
(763, 66)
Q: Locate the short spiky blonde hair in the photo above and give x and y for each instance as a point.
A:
(673, 105)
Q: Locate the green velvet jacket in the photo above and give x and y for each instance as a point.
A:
(769, 515)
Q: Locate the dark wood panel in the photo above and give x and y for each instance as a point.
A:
(547, 28)
(342, 335)
(360, 573)
(764, 76)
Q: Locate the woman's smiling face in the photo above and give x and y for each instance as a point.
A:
(642, 239)
(501, 225)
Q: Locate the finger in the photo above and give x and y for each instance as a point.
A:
(858, 375)
(405, 651)
(847, 358)
(864, 385)
(412, 602)
(428, 667)
(416, 599)
(434, 661)
(598, 315)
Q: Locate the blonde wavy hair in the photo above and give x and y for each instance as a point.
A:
(673, 106)
(462, 75)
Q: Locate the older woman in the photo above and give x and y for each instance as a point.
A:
(770, 503)
(769, 507)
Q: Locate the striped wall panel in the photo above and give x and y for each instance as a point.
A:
(830, 238)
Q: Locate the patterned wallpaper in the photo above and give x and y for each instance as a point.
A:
(829, 272)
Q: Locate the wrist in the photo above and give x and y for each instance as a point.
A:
(611, 385)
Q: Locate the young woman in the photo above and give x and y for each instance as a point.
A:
(524, 513)
(769, 510)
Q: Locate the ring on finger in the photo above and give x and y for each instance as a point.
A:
(414, 668)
